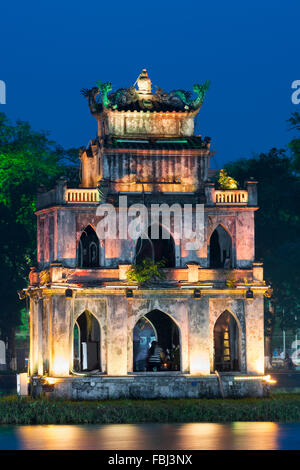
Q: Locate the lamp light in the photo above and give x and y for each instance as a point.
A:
(68, 293)
(249, 294)
(197, 294)
(129, 293)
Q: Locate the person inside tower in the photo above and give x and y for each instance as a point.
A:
(155, 357)
(288, 363)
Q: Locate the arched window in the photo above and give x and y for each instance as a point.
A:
(156, 249)
(143, 335)
(158, 327)
(86, 340)
(88, 249)
(220, 249)
(226, 343)
(76, 347)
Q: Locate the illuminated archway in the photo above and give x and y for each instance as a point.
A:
(143, 335)
(220, 249)
(86, 343)
(163, 329)
(88, 249)
(226, 343)
(156, 249)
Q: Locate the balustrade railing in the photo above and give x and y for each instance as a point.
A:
(82, 195)
(231, 196)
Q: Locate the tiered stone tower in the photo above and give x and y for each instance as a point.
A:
(90, 325)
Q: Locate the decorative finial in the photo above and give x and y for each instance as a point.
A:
(144, 83)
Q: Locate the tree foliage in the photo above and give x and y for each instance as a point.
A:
(28, 159)
(277, 226)
(294, 145)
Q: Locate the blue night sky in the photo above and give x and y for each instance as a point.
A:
(248, 49)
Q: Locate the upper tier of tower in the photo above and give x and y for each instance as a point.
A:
(138, 112)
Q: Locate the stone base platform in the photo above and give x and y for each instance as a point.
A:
(149, 386)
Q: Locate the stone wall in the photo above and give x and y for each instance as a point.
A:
(68, 224)
(149, 387)
(139, 123)
(53, 317)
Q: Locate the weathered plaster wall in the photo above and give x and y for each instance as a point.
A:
(150, 387)
(69, 223)
(66, 239)
(60, 336)
(34, 345)
(240, 226)
(90, 169)
(124, 170)
(245, 238)
(198, 315)
(53, 318)
(254, 317)
(117, 335)
(139, 123)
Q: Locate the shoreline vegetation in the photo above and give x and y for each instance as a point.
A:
(276, 408)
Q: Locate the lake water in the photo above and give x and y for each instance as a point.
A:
(189, 436)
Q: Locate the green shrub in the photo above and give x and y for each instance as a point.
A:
(226, 182)
(147, 272)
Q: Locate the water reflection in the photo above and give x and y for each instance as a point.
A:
(190, 436)
(256, 436)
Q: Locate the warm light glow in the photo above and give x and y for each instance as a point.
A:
(199, 364)
(60, 366)
(50, 380)
(50, 437)
(259, 366)
(266, 378)
(269, 379)
(255, 435)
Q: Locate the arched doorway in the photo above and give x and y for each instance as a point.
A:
(143, 335)
(226, 343)
(161, 328)
(220, 249)
(162, 248)
(88, 249)
(86, 341)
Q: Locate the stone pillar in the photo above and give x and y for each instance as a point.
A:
(36, 360)
(123, 268)
(254, 317)
(2, 355)
(258, 271)
(33, 276)
(193, 272)
(61, 190)
(66, 237)
(40, 336)
(90, 172)
(199, 336)
(60, 336)
(210, 193)
(56, 270)
(251, 187)
(117, 335)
